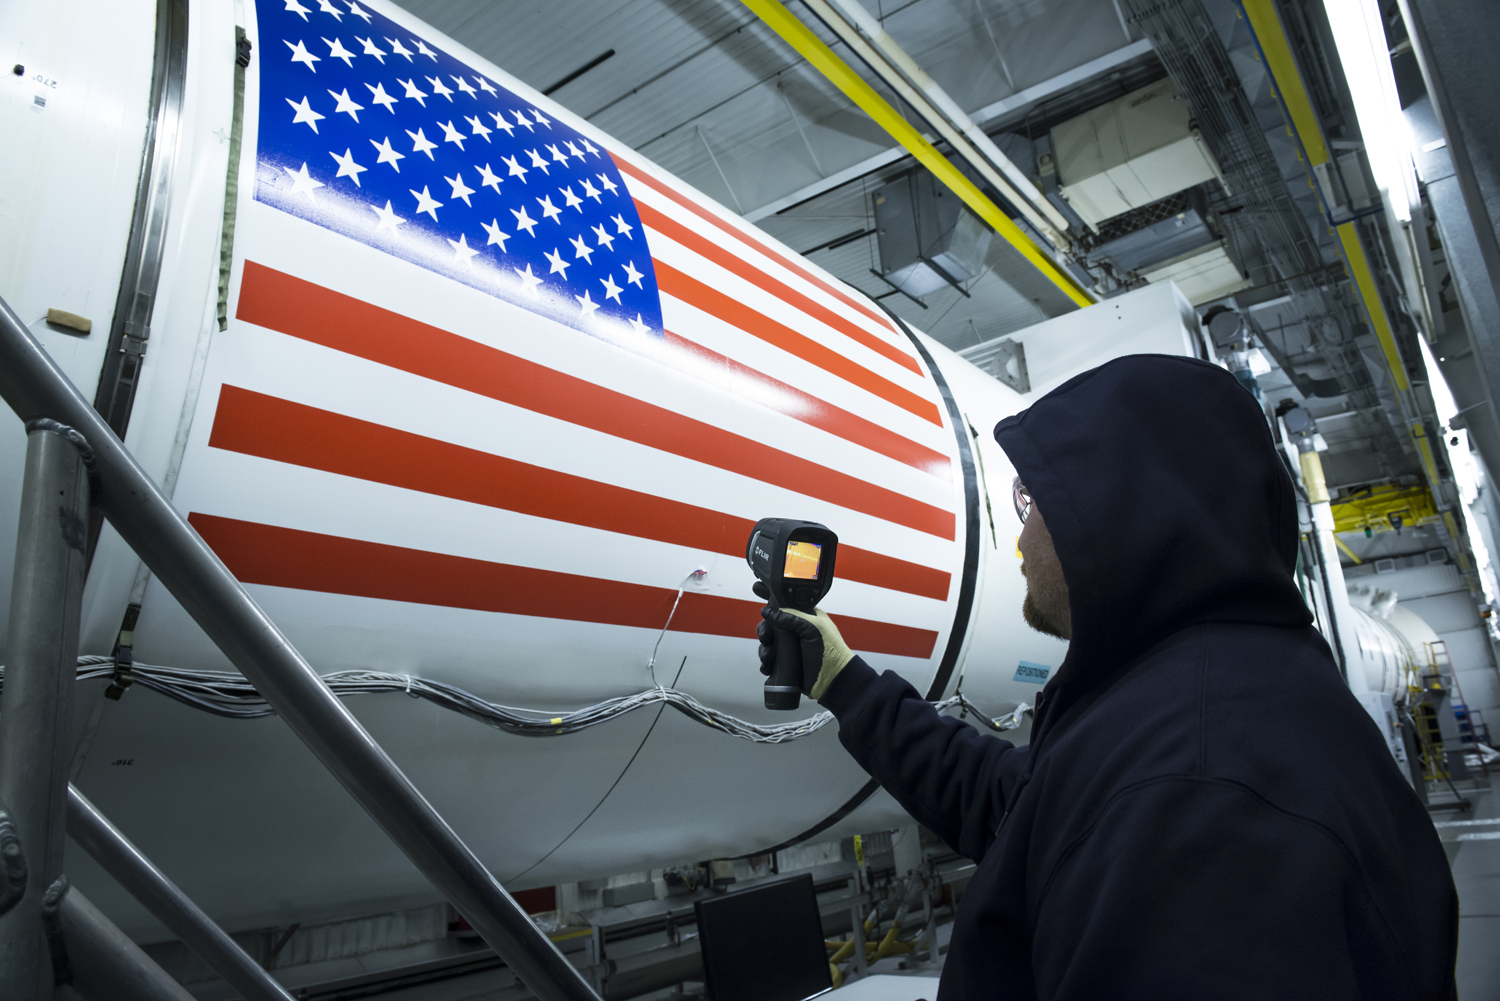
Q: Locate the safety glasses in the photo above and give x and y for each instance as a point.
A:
(1022, 498)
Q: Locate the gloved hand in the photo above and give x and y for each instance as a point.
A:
(824, 653)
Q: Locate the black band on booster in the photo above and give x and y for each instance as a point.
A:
(962, 612)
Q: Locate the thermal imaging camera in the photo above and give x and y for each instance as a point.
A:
(794, 560)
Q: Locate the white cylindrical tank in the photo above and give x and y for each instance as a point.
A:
(1394, 642)
(495, 404)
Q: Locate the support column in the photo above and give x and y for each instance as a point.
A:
(36, 707)
(1336, 594)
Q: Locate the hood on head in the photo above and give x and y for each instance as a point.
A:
(1167, 502)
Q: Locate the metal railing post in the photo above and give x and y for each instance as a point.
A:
(105, 962)
(36, 707)
(33, 384)
(148, 884)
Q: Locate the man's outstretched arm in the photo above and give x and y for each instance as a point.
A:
(949, 776)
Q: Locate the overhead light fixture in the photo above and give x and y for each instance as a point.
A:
(1359, 35)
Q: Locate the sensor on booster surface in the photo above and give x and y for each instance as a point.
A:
(794, 562)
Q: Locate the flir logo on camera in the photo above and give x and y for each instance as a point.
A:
(1036, 674)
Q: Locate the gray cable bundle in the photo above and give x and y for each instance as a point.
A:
(226, 694)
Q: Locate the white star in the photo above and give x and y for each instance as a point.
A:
(606, 183)
(632, 276)
(536, 160)
(462, 251)
(611, 290)
(638, 326)
(371, 49)
(589, 147)
(387, 154)
(550, 211)
(501, 123)
(463, 85)
(347, 167)
(305, 113)
(424, 50)
(536, 116)
(301, 55)
(337, 51)
(346, 105)
(557, 156)
(524, 221)
(302, 181)
(478, 127)
(558, 264)
(460, 189)
(329, 8)
(484, 85)
(605, 240)
(420, 143)
(357, 11)
(412, 91)
(523, 120)
(529, 281)
(399, 49)
(451, 135)
(588, 304)
(581, 249)
(496, 236)
(388, 218)
(298, 9)
(575, 151)
(426, 203)
(571, 201)
(488, 178)
(516, 170)
(439, 87)
(624, 227)
(589, 191)
(379, 96)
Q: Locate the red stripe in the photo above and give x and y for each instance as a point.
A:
(308, 561)
(709, 299)
(271, 428)
(302, 309)
(703, 247)
(805, 407)
(776, 256)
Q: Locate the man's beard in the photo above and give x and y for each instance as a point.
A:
(1036, 618)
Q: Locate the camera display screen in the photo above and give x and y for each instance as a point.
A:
(802, 559)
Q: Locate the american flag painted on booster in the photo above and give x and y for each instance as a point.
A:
(756, 381)
(393, 142)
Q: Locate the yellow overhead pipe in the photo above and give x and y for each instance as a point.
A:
(842, 76)
(1276, 51)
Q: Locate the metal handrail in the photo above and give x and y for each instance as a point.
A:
(148, 884)
(34, 386)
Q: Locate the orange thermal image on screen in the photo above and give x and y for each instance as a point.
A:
(802, 560)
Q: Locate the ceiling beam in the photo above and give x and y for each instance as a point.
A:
(1007, 105)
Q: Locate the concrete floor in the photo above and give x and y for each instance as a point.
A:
(1473, 842)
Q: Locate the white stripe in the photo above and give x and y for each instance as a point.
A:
(1486, 836)
(1468, 823)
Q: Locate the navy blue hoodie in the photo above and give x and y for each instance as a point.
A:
(1204, 810)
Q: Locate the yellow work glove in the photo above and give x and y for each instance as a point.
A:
(824, 652)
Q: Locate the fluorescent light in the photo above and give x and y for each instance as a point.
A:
(1359, 34)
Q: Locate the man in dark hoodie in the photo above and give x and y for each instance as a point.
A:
(1204, 810)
